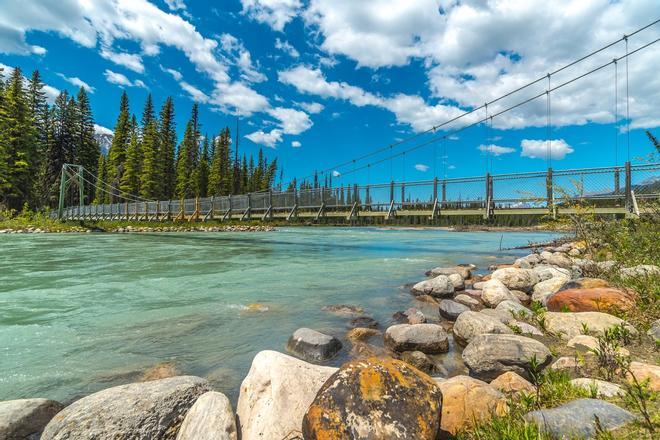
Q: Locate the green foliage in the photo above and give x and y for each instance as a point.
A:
(132, 168)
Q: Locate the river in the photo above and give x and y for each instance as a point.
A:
(82, 312)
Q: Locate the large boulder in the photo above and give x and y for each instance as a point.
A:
(560, 260)
(457, 281)
(313, 346)
(438, 287)
(545, 272)
(427, 338)
(514, 308)
(516, 279)
(471, 324)
(641, 271)
(375, 399)
(210, 418)
(512, 384)
(584, 283)
(643, 372)
(147, 410)
(26, 418)
(494, 292)
(472, 303)
(451, 309)
(566, 325)
(466, 401)
(601, 387)
(487, 356)
(465, 271)
(601, 299)
(275, 394)
(577, 419)
(545, 289)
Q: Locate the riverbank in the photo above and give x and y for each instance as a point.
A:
(532, 335)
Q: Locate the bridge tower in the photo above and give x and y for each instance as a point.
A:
(71, 174)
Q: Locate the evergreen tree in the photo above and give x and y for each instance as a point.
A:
(120, 141)
(151, 183)
(244, 177)
(4, 159)
(167, 141)
(187, 160)
(87, 149)
(221, 170)
(148, 113)
(130, 178)
(251, 177)
(101, 195)
(203, 170)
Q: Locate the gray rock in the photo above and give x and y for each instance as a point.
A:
(654, 331)
(427, 338)
(144, 410)
(560, 260)
(501, 315)
(640, 271)
(525, 329)
(567, 325)
(578, 418)
(489, 355)
(545, 272)
(545, 289)
(313, 346)
(344, 309)
(210, 418)
(26, 418)
(418, 360)
(467, 300)
(601, 387)
(494, 292)
(464, 271)
(451, 309)
(457, 281)
(363, 321)
(516, 279)
(438, 287)
(471, 324)
(514, 308)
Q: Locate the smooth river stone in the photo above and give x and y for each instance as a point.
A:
(470, 324)
(26, 418)
(210, 418)
(427, 338)
(313, 346)
(451, 309)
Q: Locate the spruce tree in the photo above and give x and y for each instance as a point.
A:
(87, 148)
(148, 113)
(203, 170)
(151, 182)
(101, 195)
(167, 141)
(120, 141)
(244, 177)
(4, 158)
(220, 173)
(186, 182)
(130, 178)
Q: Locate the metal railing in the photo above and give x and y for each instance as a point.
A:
(610, 189)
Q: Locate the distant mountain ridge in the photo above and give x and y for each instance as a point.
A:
(104, 137)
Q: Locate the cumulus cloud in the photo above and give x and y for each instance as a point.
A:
(269, 139)
(122, 80)
(175, 73)
(538, 149)
(129, 60)
(292, 121)
(77, 82)
(311, 107)
(241, 57)
(195, 94)
(296, 144)
(285, 46)
(336, 173)
(421, 167)
(176, 5)
(495, 150)
(274, 13)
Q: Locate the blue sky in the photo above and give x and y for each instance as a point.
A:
(321, 82)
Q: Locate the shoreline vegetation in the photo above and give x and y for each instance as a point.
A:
(561, 343)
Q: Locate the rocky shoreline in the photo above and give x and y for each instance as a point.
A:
(545, 312)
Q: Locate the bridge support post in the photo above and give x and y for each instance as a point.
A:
(246, 214)
(489, 183)
(444, 193)
(617, 181)
(550, 196)
(227, 214)
(629, 203)
(403, 194)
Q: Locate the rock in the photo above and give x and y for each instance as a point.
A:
(451, 309)
(545, 289)
(479, 285)
(600, 299)
(457, 281)
(256, 307)
(584, 283)
(427, 338)
(469, 301)
(654, 331)
(146, 410)
(516, 279)
(501, 315)
(567, 325)
(524, 329)
(560, 260)
(463, 271)
(606, 266)
(471, 324)
(437, 287)
(427, 299)
(641, 271)
(275, 394)
(515, 309)
(363, 321)
(26, 418)
(375, 399)
(565, 363)
(494, 292)
(473, 293)
(583, 343)
(410, 316)
(577, 418)
(360, 334)
(489, 355)
(643, 372)
(600, 387)
(210, 418)
(512, 383)
(466, 400)
(313, 346)
(545, 272)
(160, 371)
(521, 296)
(344, 309)
(418, 360)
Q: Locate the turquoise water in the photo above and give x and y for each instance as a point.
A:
(81, 312)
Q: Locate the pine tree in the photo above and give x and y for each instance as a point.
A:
(4, 159)
(101, 195)
(120, 141)
(151, 183)
(87, 148)
(167, 141)
(244, 177)
(187, 159)
(130, 178)
(148, 113)
(221, 173)
(203, 170)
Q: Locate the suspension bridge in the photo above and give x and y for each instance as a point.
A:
(621, 189)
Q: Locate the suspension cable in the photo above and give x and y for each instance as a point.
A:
(616, 113)
(548, 129)
(625, 37)
(127, 196)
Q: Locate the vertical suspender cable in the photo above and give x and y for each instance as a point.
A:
(490, 131)
(625, 37)
(548, 130)
(616, 113)
(489, 147)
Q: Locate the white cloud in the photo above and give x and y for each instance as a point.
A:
(268, 139)
(129, 60)
(495, 150)
(196, 94)
(421, 167)
(336, 173)
(175, 73)
(296, 144)
(311, 107)
(77, 82)
(538, 149)
(292, 121)
(121, 79)
(274, 13)
(50, 91)
(239, 97)
(176, 5)
(241, 57)
(285, 46)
